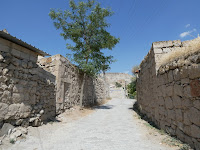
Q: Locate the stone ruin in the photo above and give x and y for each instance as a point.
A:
(169, 94)
(34, 90)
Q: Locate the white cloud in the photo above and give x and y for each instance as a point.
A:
(187, 26)
(187, 33)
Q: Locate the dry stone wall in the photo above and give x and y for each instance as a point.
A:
(122, 78)
(68, 84)
(27, 92)
(170, 94)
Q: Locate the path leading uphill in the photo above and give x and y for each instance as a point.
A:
(112, 126)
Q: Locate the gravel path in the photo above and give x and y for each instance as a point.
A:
(110, 127)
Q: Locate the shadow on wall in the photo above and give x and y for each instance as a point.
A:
(142, 115)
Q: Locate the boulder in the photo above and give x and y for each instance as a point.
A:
(6, 127)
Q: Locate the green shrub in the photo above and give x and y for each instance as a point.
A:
(118, 84)
(131, 89)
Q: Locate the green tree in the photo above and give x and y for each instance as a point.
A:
(131, 88)
(86, 26)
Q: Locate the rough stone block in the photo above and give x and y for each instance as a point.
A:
(180, 134)
(25, 56)
(184, 72)
(6, 127)
(194, 71)
(3, 110)
(169, 90)
(170, 76)
(24, 110)
(196, 143)
(4, 48)
(176, 74)
(161, 101)
(177, 43)
(12, 112)
(166, 50)
(168, 103)
(177, 101)
(178, 90)
(33, 58)
(171, 114)
(179, 115)
(18, 88)
(187, 130)
(157, 51)
(195, 131)
(195, 88)
(188, 140)
(17, 97)
(186, 103)
(194, 116)
(187, 91)
(185, 81)
(15, 53)
(162, 44)
(196, 104)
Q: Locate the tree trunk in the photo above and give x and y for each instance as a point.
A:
(82, 88)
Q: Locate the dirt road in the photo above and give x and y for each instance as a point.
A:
(109, 127)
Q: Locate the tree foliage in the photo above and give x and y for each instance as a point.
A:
(131, 88)
(86, 26)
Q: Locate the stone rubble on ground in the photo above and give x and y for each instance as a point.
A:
(10, 134)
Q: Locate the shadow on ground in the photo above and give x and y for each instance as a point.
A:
(104, 107)
(142, 116)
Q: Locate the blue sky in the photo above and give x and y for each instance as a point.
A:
(137, 23)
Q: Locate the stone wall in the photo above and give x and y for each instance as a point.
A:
(68, 84)
(118, 77)
(170, 94)
(122, 78)
(26, 91)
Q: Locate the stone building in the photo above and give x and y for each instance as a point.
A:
(27, 92)
(34, 89)
(68, 84)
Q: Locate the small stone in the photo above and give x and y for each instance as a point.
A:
(16, 134)
(36, 123)
(41, 112)
(1, 58)
(19, 122)
(32, 119)
(9, 131)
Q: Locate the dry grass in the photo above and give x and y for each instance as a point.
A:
(134, 68)
(192, 47)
